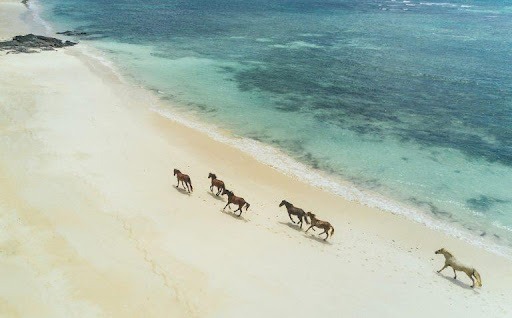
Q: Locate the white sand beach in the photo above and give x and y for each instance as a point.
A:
(91, 224)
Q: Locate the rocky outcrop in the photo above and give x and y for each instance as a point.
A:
(31, 43)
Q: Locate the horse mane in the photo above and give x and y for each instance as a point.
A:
(448, 253)
(213, 175)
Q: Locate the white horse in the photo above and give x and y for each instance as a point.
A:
(451, 261)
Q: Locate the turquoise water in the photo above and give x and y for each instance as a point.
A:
(409, 100)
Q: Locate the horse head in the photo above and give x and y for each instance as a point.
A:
(284, 202)
(212, 175)
(176, 171)
(443, 251)
(310, 215)
(226, 191)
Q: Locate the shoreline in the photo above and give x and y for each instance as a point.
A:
(108, 161)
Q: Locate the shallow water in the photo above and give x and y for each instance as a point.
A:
(411, 100)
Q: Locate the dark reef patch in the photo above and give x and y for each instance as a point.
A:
(73, 33)
(483, 203)
(432, 207)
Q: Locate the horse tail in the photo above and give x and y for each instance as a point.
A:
(247, 205)
(332, 230)
(190, 182)
(478, 278)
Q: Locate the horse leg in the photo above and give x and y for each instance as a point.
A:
(471, 276)
(454, 273)
(219, 190)
(325, 232)
(239, 209)
(178, 182)
(211, 188)
(439, 271)
(309, 228)
(290, 216)
(300, 222)
(226, 206)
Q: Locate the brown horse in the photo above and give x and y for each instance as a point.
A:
(298, 212)
(232, 198)
(217, 183)
(185, 180)
(326, 226)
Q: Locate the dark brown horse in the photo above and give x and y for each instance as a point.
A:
(185, 180)
(217, 183)
(324, 225)
(232, 198)
(298, 212)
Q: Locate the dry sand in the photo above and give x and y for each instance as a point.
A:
(91, 224)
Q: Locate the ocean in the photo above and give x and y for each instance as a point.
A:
(403, 105)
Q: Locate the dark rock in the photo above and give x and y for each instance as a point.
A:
(31, 43)
(73, 33)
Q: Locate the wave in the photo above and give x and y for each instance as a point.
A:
(440, 4)
(297, 45)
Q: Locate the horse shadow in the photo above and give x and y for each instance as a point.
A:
(317, 238)
(309, 236)
(182, 191)
(216, 197)
(234, 216)
(292, 226)
(457, 282)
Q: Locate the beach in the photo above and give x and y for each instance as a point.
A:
(92, 224)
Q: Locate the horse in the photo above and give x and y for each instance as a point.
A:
(451, 261)
(185, 180)
(216, 182)
(232, 198)
(326, 226)
(298, 212)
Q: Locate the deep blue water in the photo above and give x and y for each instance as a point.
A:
(409, 99)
